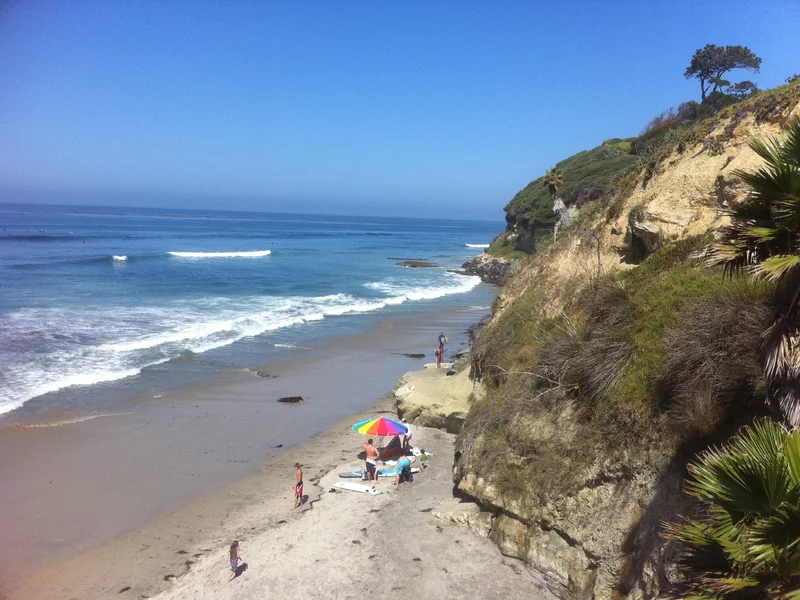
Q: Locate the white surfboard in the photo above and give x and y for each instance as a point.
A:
(356, 487)
(391, 472)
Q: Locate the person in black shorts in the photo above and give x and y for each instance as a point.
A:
(372, 461)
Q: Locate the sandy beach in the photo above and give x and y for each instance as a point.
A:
(337, 545)
(139, 500)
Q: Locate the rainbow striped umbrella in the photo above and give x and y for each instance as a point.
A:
(380, 426)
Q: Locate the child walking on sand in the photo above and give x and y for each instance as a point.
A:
(298, 485)
(423, 458)
(235, 559)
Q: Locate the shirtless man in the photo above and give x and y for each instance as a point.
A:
(372, 460)
(298, 486)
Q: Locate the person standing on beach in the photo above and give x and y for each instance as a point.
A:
(372, 460)
(408, 435)
(235, 558)
(438, 354)
(298, 486)
(442, 341)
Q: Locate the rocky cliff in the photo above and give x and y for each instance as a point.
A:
(577, 451)
(491, 269)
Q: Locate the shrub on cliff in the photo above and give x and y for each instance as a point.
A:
(746, 544)
(711, 380)
(764, 240)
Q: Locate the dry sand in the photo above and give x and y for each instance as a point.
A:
(69, 487)
(338, 545)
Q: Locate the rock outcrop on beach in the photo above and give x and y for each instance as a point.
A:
(431, 398)
(491, 269)
(611, 361)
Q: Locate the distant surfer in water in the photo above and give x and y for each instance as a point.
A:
(442, 342)
(298, 486)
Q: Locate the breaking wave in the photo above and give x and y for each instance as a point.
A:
(95, 344)
(249, 254)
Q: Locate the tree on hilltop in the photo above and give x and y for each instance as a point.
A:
(764, 239)
(709, 64)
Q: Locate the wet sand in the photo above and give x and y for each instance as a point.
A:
(72, 494)
(337, 545)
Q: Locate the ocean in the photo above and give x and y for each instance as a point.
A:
(132, 301)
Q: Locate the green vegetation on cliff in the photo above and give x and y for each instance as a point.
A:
(631, 354)
(602, 176)
(587, 175)
(605, 377)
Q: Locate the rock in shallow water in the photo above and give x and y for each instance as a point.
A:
(291, 399)
(418, 264)
(489, 268)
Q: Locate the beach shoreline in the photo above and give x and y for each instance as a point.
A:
(317, 551)
(168, 521)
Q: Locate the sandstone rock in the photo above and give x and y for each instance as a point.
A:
(430, 398)
(454, 510)
(646, 232)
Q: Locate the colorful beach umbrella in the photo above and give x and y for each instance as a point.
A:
(380, 426)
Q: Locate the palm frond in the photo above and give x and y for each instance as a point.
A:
(776, 267)
(764, 239)
(744, 547)
(791, 147)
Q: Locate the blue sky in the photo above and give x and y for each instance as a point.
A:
(392, 108)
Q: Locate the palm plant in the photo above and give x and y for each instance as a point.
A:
(552, 180)
(764, 239)
(747, 543)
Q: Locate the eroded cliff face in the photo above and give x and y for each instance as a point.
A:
(579, 543)
(600, 536)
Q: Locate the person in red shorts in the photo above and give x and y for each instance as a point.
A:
(298, 486)
(438, 354)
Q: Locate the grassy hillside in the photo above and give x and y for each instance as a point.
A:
(588, 175)
(645, 359)
(602, 176)
(604, 379)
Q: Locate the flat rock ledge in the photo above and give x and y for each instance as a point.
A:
(418, 264)
(431, 398)
(490, 269)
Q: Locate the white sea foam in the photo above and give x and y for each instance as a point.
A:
(93, 344)
(71, 421)
(250, 254)
(477, 245)
(119, 257)
(399, 290)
